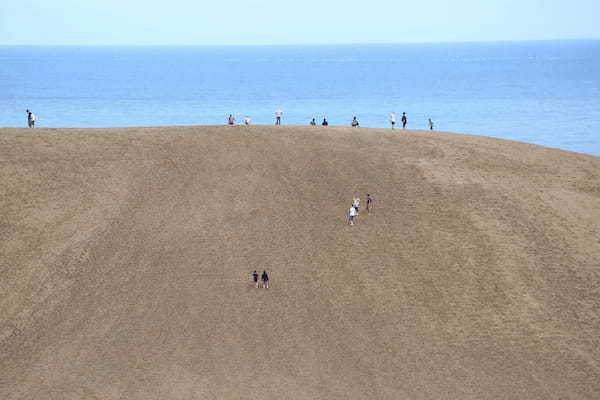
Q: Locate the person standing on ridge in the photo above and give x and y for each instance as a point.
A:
(369, 203)
(393, 119)
(231, 120)
(430, 124)
(278, 115)
(351, 215)
(404, 120)
(30, 119)
(313, 122)
(255, 278)
(247, 120)
(354, 122)
(324, 123)
(265, 279)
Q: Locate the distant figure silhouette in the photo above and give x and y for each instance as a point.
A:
(278, 115)
(30, 119)
(354, 122)
(255, 278)
(430, 124)
(231, 120)
(393, 119)
(369, 203)
(313, 122)
(247, 120)
(404, 120)
(265, 279)
(324, 123)
(351, 215)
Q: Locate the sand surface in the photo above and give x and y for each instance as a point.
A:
(125, 261)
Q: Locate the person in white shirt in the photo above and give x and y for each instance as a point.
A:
(278, 115)
(351, 215)
(393, 119)
(30, 119)
(356, 204)
(247, 120)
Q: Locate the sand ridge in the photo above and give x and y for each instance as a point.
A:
(125, 261)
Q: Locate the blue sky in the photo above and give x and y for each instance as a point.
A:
(243, 22)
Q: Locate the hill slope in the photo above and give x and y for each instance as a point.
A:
(125, 261)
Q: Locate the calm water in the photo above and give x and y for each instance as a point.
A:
(540, 92)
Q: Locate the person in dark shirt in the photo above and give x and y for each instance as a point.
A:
(265, 279)
(354, 122)
(369, 203)
(255, 278)
(324, 123)
(313, 122)
(404, 120)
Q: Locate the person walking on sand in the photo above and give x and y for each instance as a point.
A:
(30, 119)
(313, 122)
(354, 122)
(369, 203)
(324, 123)
(393, 119)
(351, 215)
(231, 120)
(255, 278)
(247, 120)
(278, 115)
(265, 279)
(430, 124)
(404, 120)
(356, 204)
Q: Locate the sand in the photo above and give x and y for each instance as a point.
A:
(126, 254)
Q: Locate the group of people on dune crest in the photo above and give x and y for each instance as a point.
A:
(31, 118)
(354, 123)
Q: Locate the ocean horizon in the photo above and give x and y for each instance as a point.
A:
(541, 92)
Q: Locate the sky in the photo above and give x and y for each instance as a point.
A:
(272, 22)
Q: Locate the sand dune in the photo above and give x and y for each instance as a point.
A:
(125, 261)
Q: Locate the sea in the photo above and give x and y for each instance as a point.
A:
(542, 92)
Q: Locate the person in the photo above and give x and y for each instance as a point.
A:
(231, 120)
(255, 278)
(313, 122)
(354, 122)
(247, 120)
(278, 115)
(404, 120)
(356, 204)
(265, 279)
(351, 215)
(369, 203)
(30, 119)
(324, 123)
(430, 124)
(393, 119)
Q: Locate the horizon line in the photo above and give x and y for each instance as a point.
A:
(307, 44)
